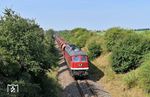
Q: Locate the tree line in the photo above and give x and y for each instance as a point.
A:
(27, 52)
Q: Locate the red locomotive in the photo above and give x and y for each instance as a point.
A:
(76, 59)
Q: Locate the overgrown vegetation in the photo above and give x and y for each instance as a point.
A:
(140, 77)
(144, 73)
(128, 49)
(94, 50)
(26, 54)
(131, 79)
(113, 36)
(127, 53)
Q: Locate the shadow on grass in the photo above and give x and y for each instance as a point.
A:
(95, 73)
(50, 86)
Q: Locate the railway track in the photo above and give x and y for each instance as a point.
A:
(77, 88)
(85, 89)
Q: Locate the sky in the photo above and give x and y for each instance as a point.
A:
(90, 14)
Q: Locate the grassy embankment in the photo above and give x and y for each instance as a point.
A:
(114, 83)
(121, 60)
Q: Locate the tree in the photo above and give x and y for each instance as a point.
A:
(94, 50)
(25, 53)
(114, 35)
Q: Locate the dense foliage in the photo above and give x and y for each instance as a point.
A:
(77, 36)
(127, 53)
(94, 50)
(26, 52)
(113, 36)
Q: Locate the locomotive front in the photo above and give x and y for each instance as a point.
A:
(78, 61)
(80, 65)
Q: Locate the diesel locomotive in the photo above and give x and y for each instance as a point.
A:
(76, 59)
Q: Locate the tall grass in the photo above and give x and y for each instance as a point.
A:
(131, 79)
(144, 73)
(141, 76)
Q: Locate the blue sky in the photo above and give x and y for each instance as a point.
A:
(90, 14)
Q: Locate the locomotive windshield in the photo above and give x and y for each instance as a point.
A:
(79, 59)
(76, 59)
(83, 58)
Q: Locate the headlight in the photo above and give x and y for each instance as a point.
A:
(80, 65)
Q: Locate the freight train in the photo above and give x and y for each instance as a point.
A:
(76, 59)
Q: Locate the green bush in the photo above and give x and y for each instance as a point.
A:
(66, 35)
(94, 50)
(28, 89)
(113, 36)
(77, 36)
(127, 53)
(144, 73)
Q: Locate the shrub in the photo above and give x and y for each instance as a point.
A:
(113, 36)
(94, 50)
(77, 36)
(98, 39)
(128, 52)
(81, 40)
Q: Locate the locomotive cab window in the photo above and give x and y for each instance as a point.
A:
(83, 58)
(76, 59)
